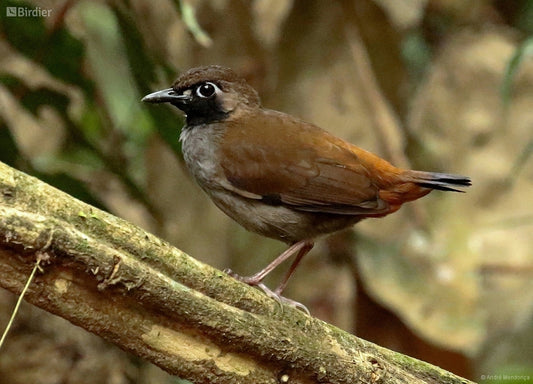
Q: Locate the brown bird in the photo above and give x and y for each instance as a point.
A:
(279, 176)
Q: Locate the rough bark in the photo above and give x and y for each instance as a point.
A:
(137, 291)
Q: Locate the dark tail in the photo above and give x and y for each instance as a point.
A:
(440, 181)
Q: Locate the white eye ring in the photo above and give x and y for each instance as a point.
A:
(206, 90)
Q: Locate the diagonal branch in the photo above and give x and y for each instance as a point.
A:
(137, 291)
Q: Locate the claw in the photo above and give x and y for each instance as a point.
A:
(270, 293)
(283, 300)
(229, 271)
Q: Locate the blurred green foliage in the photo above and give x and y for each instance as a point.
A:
(121, 72)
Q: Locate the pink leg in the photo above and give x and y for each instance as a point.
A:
(301, 248)
(307, 246)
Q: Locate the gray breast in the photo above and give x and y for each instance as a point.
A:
(200, 151)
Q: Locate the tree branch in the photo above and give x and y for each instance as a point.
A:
(135, 290)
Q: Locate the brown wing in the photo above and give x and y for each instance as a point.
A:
(286, 161)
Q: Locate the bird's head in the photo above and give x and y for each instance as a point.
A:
(207, 94)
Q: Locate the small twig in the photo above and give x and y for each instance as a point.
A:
(386, 123)
(41, 255)
(19, 301)
(495, 268)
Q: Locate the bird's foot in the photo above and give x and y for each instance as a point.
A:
(276, 294)
(250, 280)
(283, 300)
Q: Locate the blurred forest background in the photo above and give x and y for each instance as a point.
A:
(441, 85)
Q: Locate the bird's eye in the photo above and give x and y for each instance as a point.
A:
(206, 90)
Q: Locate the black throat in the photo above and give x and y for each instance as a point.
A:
(204, 112)
(202, 118)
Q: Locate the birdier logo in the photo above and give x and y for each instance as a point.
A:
(27, 12)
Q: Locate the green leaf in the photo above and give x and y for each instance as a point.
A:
(521, 160)
(143, 67)
(188, 15)
(141, 64)
(524, 51)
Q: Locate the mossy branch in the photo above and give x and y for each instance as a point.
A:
(137, 291)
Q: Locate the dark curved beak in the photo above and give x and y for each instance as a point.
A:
(166, 96)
